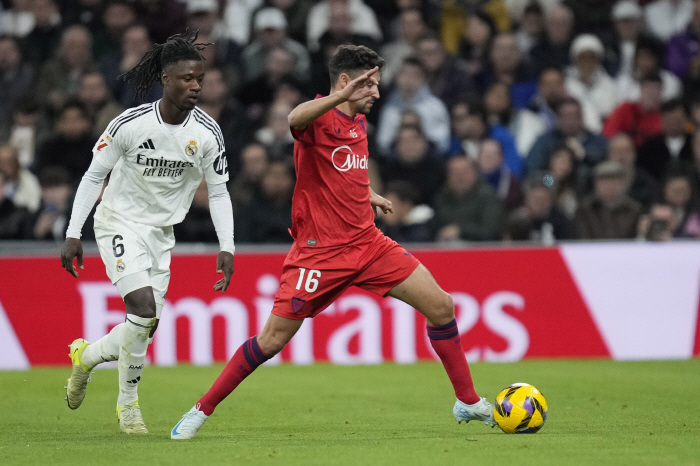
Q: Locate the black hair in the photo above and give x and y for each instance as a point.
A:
(653, 77)
(672, 105)
(51, 177)
(475, 107)
(404, 190)
(415, 62)
(150, 69)
(352, 58)
(567, 101)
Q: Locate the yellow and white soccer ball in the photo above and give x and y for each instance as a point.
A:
(520, 409)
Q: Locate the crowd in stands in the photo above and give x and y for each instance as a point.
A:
(512, 120)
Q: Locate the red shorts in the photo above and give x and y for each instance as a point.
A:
(312, 278)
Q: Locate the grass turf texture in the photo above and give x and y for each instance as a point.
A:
(600, 412)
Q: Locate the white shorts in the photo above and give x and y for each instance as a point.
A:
(135, 255)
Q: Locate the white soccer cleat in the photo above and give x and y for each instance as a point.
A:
(480, 411)
(189, 425)
(130, 419)
(80, 374)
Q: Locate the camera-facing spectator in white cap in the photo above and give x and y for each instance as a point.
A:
(270, 32)
(586, 79)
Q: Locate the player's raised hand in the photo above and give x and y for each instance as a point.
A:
(358, 88)
(71, 249)
(224, 264)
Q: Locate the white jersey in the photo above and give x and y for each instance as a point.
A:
(156, 170)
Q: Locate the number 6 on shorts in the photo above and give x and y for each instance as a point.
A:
(311, 280)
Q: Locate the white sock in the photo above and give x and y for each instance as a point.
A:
(105, 349)
(132, 355)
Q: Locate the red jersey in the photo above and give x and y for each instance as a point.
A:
(331, 198)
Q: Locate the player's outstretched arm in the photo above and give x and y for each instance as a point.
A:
(356, 89)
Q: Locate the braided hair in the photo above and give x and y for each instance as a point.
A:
(150, 69)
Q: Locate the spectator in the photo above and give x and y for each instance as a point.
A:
(587, 80)
(659, 224)
(254, 163)
(531, 27)
(21, 186)
(678, 193)
(447, 78)
(507, 65)
(237, 19)
(414, 160)
(118, 16)
(59, 78)
(467, 208)
(641, 186)
(591, 16)
(203, 16)
(267, 217)
(17, 21)
(410, 222)
(540, 117)
(672, 146)
(474, 47)
(647, 61)
(553, 49)
(41, 44)
(609, 213)
(215, 100)
(411, 29)
(562, 178)
(413, 93)
(640, 119)
(271, 32)
(163, 18)
(275, 135)
(362, 20)
(665, 18)
(470, 127)
(16, 78)
(340, 29)
(97, 100)
(84, 12)
(296, 12)
(71, 145)
(684, 46)
(547, 223)
(135, 44)
(497, 174)
(257, 94)
(51, 220)
(13, 219)
(627, 16)
(197, 226)
(589, 148)
(25, 131)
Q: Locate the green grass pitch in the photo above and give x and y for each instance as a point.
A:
(600, 413)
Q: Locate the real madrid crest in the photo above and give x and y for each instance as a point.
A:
(120, 265)
(191, 148)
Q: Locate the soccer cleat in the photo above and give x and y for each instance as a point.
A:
(189, 425)
(80, 375)
(130, 420)
(480, 411)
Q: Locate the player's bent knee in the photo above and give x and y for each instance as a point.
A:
(141, 303)
(443, 310)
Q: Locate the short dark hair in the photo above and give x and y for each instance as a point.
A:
(567, 101)
(350, 59)
(404, 190)
(475, 107)
(413, 61)
(653, 77)
(672, 105)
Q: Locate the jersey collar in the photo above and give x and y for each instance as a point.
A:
(156, 109)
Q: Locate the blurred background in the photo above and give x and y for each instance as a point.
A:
(500, 120)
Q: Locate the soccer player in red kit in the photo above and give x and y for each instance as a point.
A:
(336, 244)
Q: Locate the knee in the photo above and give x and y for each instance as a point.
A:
(141, 303)
(443, 310)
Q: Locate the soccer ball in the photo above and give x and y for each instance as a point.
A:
(520, 409)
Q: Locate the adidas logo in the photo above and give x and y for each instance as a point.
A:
(147, 145)
(135, 381)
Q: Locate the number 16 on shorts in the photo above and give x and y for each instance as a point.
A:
(311, 280)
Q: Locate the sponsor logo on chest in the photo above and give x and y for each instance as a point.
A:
(159, 166)
(344, 159)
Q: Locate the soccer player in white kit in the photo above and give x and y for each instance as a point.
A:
(157, 155)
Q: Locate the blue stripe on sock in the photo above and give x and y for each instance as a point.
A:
(257, 352)
(443, 332)
(248, 357)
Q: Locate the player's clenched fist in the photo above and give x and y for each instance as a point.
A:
(72, 248)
